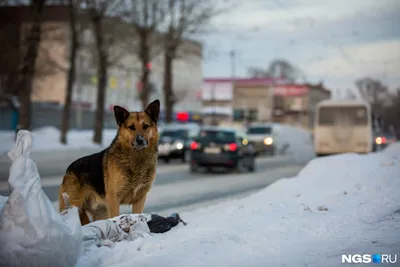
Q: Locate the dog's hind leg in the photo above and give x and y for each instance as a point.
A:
(71, 186)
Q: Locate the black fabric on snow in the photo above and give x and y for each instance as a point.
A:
(158, 224)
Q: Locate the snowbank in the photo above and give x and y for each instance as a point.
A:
(48, 138)
(336, 205)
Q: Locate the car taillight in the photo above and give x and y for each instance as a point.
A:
(194, 145)
(380, 140)
(232, 147)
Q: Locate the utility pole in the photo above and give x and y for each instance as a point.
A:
(213, 99)
(232, 55)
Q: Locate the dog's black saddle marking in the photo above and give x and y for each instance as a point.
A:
(89, 171)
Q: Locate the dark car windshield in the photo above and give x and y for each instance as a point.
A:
(173, 134)
(216, 136)
(259, 130)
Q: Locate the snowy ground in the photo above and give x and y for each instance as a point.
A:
(48, 138)
(336, 205)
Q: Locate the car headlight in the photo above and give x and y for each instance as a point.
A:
(268, 141)
(179, 145)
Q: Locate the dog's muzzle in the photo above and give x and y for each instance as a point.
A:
(140, 142)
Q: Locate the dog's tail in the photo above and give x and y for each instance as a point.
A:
(61, 203)
(66, 200)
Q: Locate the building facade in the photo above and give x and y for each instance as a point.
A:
(123, 72)
(295, 103)
(237, 100)
(260, 100)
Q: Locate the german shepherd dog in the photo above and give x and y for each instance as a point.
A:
(123, 173)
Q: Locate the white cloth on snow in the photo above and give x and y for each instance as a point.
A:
(126, 227)
(32, 232)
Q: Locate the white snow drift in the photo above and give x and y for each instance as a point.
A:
(336, 205)
(48, 138)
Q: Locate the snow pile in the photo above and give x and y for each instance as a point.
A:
(32, 233)
(48, 138)
(336, 205)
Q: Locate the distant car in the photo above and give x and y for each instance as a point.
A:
(382, 140)
(222, 147)
(261, 137)
(174, 141)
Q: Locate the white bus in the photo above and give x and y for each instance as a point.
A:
(342, 127)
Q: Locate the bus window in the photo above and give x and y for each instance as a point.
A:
(327, 115)
(332, 115)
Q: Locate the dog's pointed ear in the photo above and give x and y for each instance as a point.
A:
(153, 110)
(120, 114)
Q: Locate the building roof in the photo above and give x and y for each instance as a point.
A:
(334, 102)
(244, 80)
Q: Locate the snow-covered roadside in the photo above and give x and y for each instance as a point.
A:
(336, 205)
(48, 138)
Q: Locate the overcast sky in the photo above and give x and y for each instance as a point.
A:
(335, 41)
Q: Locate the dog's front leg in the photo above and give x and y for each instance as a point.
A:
(112, 205)
(138, 205)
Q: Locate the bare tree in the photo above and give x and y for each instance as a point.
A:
(374, 92)
(256, 72)
(98, 10)
(278, 68)
(46, 62)
(26, 71)
(391, 114)
(74, 46)
(146, 17)
(186, 18)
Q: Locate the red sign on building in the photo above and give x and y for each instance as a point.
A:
(291, 90)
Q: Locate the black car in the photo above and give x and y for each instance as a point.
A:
(174, 142)
(221, 147)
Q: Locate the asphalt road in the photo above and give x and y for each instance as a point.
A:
(175, 187)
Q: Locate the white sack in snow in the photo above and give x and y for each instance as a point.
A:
(32, 233)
